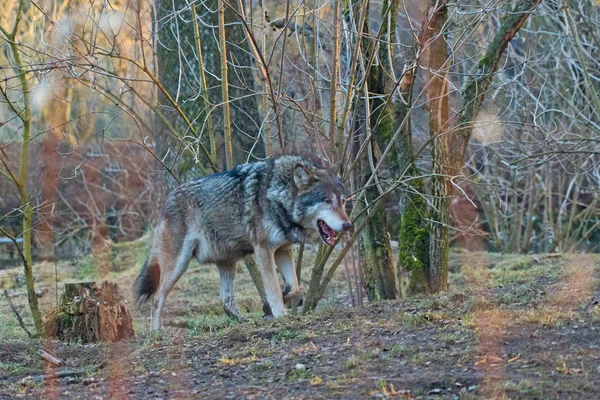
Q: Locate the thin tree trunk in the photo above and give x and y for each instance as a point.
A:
(334, 79)
(204, 88)
(181, 67)
(225, 88)
(22, 186)
(265, 97)
(439, 242)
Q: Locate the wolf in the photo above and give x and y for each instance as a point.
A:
(260, 208)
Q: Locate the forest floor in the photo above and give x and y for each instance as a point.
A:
(511, 327)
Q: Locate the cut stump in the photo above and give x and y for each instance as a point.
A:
(89, 314)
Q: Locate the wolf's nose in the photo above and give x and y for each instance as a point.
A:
(346, 226)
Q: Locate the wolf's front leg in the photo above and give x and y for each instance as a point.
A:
(268, 272)
(284, 258)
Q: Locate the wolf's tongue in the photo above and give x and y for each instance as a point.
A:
(329, 232)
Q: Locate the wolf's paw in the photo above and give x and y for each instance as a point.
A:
(240, 318)
(289, 293)
(235, 314)
(286, 290)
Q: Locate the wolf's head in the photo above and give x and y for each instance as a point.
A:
(320, 204)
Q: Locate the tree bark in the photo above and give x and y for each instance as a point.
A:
(413, 237)
(225, 87)
(376, 254)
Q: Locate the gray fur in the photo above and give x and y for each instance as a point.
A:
(259, 208)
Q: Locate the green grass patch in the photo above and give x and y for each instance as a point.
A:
(209, 324)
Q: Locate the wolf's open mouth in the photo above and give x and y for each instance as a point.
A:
(327, 233)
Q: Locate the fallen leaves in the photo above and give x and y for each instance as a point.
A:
(232, 362)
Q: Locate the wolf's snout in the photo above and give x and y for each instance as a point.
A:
(346, 226)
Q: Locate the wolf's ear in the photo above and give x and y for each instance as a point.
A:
(302, 176)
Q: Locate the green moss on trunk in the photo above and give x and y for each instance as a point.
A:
(376, 254)
(414, 243)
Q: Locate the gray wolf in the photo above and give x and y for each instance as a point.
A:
(260, 208)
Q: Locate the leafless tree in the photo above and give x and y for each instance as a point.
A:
(414, 104)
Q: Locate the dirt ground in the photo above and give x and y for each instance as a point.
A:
(512, 327)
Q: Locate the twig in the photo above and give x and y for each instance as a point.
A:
(19, 319)
(14, 240)
(66, 373)
(49, 357)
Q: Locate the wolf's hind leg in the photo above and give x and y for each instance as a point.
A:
(169, 277)
(227, 275)
(284, 258)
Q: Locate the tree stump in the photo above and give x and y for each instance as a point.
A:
(90, 314)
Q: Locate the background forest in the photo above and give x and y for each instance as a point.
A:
(466, 125)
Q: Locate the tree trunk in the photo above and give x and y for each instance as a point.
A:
(90, 314)
(374, 244)
(181, 74)
(227, 139)
(21, 184)
(444, 162)
(441, 162)
(413, 240)
(376, 254)
(413, 237)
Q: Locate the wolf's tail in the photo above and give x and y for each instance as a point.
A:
(147, 282)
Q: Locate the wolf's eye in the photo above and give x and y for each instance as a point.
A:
(327, 201)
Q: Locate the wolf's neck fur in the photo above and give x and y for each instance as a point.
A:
(292, 230)
(282, 193)
(270, 184)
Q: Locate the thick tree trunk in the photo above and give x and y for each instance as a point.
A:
(374, 243)
(376, 255)
(447, 163)
(413, 237)
(441, 162)
(413, 241)
(181, 74)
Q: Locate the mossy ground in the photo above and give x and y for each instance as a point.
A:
(512, 326)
